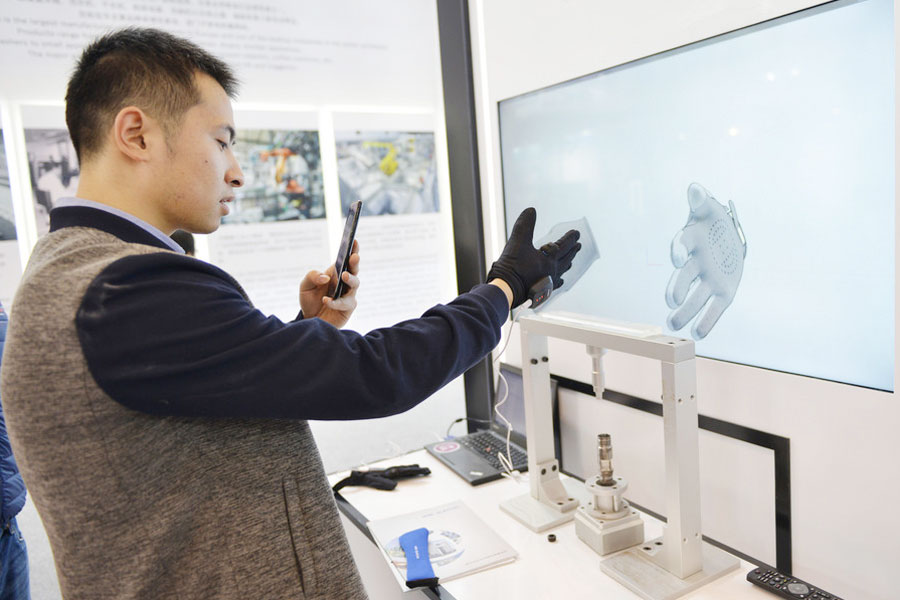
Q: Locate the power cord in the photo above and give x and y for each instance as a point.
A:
(460, 420)
(505, 460)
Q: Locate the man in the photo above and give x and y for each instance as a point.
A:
(159, 419)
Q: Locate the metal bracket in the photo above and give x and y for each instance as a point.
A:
(681, 553)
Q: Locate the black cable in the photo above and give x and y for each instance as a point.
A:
(460, 420)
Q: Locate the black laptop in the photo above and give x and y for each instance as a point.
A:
(474, 456)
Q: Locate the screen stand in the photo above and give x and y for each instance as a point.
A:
(540, 516)
(679, 561)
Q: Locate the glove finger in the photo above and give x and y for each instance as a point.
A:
(680, 252)
(563, 265)
(524, 226)
(567, 241)
(680, 283)
(699, 200)
(559, 283)
(705, 322)
(550, 249)
(568, 256)
(697, 299)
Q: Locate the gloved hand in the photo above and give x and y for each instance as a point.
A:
(521, 265)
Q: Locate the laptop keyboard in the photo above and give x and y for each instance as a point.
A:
(487, 445)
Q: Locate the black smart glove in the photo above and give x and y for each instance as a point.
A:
(521, 265)
(382, 479)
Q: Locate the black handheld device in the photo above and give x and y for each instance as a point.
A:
(540, 291)
(784, 585)
(343, 256)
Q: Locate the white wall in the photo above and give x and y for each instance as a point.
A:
(845, 483)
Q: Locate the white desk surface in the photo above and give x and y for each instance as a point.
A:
(567, 568)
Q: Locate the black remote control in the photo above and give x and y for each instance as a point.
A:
(786, 586)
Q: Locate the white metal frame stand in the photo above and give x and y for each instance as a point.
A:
(660, 569)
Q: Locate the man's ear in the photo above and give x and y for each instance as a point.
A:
(132, 133)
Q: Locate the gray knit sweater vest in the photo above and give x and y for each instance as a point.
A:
(141, 506)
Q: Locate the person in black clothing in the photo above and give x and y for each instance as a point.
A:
(14, 581)
(184, 239)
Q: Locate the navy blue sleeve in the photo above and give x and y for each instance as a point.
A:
(168, 334)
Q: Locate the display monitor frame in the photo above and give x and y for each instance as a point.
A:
(888, 324)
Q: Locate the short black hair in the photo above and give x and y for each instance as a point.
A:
(184, 239)
(147, 68)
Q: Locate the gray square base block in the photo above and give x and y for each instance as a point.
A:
(637, 571)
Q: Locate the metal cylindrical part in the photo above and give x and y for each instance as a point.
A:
(604, 446)
(607, 501)
(597, 377)
(608, 504)
(604, 454)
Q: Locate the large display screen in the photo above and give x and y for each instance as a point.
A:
(740, 190)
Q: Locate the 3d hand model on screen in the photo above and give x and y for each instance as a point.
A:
(708, 255)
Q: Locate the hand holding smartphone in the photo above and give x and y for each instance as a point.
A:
(343, 257)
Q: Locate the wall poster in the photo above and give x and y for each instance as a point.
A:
(276, 231)
(393, 173)
(395, 176)
(10, 265)
(53, 169)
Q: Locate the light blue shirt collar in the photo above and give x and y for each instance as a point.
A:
(172, 244)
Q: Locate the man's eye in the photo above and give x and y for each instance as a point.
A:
(222, 144)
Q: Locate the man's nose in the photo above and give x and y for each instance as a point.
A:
(234, 176)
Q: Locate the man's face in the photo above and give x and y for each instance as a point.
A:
(200, 171)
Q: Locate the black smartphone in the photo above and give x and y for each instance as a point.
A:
(343, 256)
